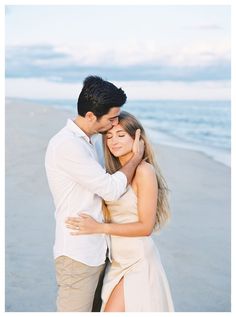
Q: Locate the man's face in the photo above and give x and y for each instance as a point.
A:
(107, 121)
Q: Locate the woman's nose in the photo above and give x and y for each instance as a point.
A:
(114, 140)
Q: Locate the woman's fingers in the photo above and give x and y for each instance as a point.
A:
(77, 219)
(75, 233)
(80, 225)
(84, 216)
(74, 224)
(72, 219)
(72, 227)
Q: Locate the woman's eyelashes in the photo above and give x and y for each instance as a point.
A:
(119, 135)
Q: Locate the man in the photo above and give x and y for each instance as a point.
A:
(78, 184)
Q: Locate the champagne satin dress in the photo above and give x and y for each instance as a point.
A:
(137, 259)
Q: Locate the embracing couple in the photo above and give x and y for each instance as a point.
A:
(107, 205)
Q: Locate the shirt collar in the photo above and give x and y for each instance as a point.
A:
(78, 132)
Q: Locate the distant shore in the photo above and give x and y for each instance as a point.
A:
(194, 247)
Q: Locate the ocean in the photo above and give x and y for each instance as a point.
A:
(203, 126)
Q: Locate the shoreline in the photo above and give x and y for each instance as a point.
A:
(194, 246)
(215, 154)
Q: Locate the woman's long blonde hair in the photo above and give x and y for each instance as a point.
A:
(130, 124)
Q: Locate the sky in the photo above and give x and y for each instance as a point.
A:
(151, 51)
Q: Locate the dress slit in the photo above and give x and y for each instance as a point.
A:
(105, 302)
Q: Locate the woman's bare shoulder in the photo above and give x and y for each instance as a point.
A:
(145, 178)
(145, 169)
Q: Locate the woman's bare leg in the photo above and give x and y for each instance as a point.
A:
(116, 301)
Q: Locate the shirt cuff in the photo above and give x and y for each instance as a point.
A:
(122, 177)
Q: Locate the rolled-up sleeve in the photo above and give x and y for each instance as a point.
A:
(80, 166)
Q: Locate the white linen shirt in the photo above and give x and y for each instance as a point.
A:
(78, 183)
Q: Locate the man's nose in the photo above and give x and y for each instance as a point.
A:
(115, 122)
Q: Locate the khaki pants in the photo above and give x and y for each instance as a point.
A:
(77, 283)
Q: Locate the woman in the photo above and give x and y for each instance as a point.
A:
(135, 280)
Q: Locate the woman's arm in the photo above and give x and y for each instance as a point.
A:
(147, 201)
(146, 183)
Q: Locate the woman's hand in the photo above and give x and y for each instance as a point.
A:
(84, 224)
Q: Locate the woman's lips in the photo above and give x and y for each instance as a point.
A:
(116, 148)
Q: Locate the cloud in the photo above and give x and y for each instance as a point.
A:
(204, 27)
(33, 53)
(58, 65)
(145, 90)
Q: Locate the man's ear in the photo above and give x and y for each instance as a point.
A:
(90, 116)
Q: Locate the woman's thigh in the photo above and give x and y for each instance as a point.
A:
(116, 301)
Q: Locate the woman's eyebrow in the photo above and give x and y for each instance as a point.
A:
(110, 133)
(120, 131)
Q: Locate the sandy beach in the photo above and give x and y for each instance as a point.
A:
(194, 247)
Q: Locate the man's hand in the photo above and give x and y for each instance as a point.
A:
(138, 149)
(138, 146)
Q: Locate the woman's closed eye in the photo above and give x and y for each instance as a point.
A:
(109, 136)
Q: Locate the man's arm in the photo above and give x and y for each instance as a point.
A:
(72, 159)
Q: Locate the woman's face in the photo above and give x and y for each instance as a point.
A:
(119, 141)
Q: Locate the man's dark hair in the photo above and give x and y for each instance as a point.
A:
(98, 96)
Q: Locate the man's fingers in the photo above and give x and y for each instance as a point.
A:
(136, 141)
(137, 134)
